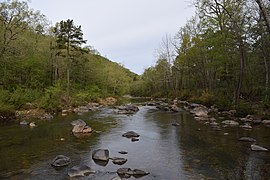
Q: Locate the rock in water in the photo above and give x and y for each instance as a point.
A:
(124, 172)
(247, 139)
(78, 122)
(60, 161)
(127, 173)
(81, 170)
(122, 152)
(119, 161)
(137, 173)
(101, 155)
(230, 123)
(130, 134)
(255, 147)
(23, 122)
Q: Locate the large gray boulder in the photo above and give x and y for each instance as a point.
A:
(101, 155)
(80, 171)
(60, 161)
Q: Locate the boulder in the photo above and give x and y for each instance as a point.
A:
(60, 161)
(32, 124)
(79, 126)
(255, 147)
(122, 152)
(127, 109)
(101, 155)
(200, 111)
(266, 122)
(23, 122)
(246, 126)
(130, 134)
(247, 139)
(119, 161)
(78, 122)
(80, 171)
(87, 129)
(230, 123)
(124, 172)
(127, 173)
(134, 139)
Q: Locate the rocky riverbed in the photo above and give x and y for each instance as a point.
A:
(158, 140)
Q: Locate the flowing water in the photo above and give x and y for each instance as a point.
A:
(167, 152)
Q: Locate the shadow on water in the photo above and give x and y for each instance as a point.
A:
(166, 151)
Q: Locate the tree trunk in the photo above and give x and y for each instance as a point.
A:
(241, 75)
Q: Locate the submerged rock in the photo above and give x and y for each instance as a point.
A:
(78, 122)
(130, 134)
(101, 155)
(134, 139)
(60, 161)
(255, 147)
(80, 171)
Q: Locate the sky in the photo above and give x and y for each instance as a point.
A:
(125, 31)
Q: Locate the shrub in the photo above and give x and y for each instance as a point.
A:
(20, 97)
(52, 99)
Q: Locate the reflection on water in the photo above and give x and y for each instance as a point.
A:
(166, 151)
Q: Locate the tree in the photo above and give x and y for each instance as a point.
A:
(70, 38)
(264, 14)
(15, 19)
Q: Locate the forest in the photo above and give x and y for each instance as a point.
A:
(221, 56)
(51, 67)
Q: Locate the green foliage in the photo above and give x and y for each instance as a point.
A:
(244, 108)
(205, 98)
(53, 98)
(90, 94)
(21, 96)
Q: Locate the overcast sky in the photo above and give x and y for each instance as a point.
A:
(125, 31)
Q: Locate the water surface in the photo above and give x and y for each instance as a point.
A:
(166, 151)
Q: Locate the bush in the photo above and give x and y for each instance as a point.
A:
(243, 109)
(20, 97)
(53, 98)
(206, 98)
(91, 94)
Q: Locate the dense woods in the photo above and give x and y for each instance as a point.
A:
(50, 66)
(220, 56)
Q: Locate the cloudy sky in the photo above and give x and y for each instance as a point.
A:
(125, 31)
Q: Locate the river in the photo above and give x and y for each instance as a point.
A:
(167, 152)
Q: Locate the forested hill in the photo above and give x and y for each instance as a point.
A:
(51, 66)
(220, 56)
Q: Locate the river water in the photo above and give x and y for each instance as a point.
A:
(167, 152)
